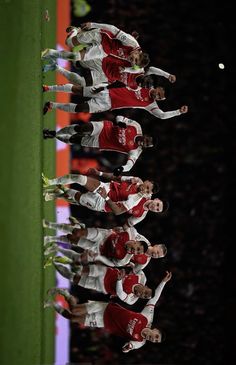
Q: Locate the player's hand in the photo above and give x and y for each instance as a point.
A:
(183, 109)
(96, 90)
(93, 172)
(85, 26)
(167, 277)
(172, 78)
(127, 347)
(118, 171)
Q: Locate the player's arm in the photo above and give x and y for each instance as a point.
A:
(125, 38)
(148, 310)
(133, 345)
(157, 112)
(157, 71)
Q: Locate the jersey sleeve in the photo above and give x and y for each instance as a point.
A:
(157, 71)
(133, 155)
(157, 112)
(127, 298)
(125, 38)
(134, 345)
(148, 310)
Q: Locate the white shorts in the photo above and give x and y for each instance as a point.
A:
(96, 239)
(95, 67)
(93, 139)
(92, 37)
(94, 200)
(94, 282)
(95, 315)
(100, 102)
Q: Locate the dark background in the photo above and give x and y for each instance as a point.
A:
(194, 164)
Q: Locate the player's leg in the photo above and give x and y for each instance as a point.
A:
(88, 182)
(65, 227)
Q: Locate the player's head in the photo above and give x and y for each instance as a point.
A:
(157, 251)
(148, 187)
(154, 205)
(153, 335)
(138, 58)
(143, 291)
(136, 247)
(146, 141)
(158, 93)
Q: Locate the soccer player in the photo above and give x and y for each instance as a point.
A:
(135, 327)
(108, 40)
(124, 135)
(111, 97)
(101, 43)
(118, 196)
(127, 287)
(106, 70)
(112, 250)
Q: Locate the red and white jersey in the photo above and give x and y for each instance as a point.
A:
(113, 69)
(114, 244)
(123, 288)
(114, 138)
(126, 97)
(123, 322)
(124, 193)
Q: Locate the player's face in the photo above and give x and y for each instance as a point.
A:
(155, 206)
(134, 58)
(158, 93)
(156, 251)
(146, 187)
(153, 335)
(134, 247)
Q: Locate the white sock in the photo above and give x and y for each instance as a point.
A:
(66, 88)
(72, 76)
(65, 133)
(64, 271)
(69, 179)
(67, 107)
(65, 227)
(69, 253)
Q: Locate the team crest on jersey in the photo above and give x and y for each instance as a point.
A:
(131, 143)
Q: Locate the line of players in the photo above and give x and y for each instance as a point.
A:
(115, 76)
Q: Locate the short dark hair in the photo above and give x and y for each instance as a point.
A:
(166, 206)
(156, 187)
(145, 246)
(144, 59)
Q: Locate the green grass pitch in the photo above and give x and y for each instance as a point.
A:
(26, 329)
